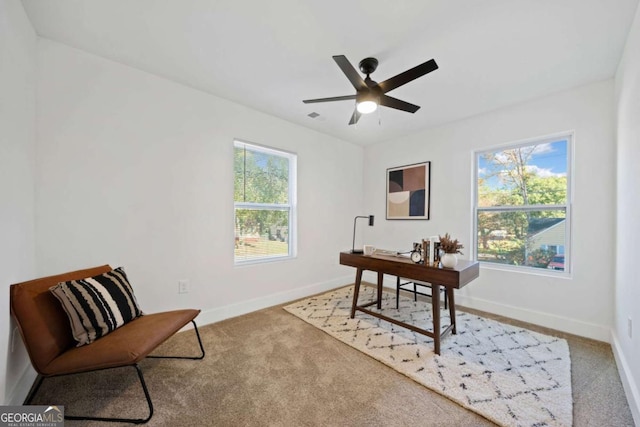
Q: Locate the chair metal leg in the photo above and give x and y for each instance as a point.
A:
(40, 379)
(123, 420)
(195, 327)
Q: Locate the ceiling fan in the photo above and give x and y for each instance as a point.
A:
(370, 94)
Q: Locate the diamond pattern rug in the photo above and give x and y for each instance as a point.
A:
(509, 375)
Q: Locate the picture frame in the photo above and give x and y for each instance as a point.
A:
(408, 191)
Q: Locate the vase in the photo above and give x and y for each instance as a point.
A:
(449, 260)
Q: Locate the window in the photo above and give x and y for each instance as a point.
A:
(522, 205)
(264, 194)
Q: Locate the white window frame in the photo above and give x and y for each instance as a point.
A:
(291, 207)
(569, 137)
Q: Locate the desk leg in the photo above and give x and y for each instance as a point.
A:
(452, 309)
(356, 291)
(435, 306)
(380, 277)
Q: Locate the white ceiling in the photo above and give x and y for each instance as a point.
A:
(270, 55)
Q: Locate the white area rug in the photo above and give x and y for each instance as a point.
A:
(510, 375)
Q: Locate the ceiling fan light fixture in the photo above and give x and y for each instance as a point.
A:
(367, 106)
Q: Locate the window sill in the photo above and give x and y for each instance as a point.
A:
(558, 274)
(250, 262)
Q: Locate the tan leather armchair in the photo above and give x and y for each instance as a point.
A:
(46, 333)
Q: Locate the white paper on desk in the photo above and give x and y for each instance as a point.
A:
(385, 252)
(388, 252)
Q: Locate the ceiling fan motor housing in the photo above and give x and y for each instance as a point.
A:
(368, 65)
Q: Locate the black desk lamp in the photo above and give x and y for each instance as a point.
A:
(353, 247)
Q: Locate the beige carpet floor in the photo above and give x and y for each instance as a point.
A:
(509, 375)
(269, 368)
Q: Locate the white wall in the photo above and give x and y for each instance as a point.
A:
(17, 144)
(136, 170)
(582, 304)
(627, 290)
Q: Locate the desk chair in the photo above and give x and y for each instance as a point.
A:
(415, 292)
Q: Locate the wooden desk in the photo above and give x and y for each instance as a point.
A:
(450, 278)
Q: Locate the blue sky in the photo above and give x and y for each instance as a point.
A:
(548, 159)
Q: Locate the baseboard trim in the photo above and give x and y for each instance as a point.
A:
(248, 306)
(560, 323)
(628, 383)
(22, 387)
(547, 320)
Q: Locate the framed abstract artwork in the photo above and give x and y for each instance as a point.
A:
(408, 189)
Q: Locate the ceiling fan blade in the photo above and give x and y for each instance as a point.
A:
(335, 98)
(355, 117)
(351, 73)
(391, 102)
(409, 75)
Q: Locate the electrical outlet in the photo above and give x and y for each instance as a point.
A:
(183, 286)
(630, 327)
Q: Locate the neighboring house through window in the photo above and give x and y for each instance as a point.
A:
(522, 204)
(265, 203)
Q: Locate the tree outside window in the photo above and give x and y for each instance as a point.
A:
(264, 195)
(522, 205)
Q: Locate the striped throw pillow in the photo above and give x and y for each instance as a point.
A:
(97, 305)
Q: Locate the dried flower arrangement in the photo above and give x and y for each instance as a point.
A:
(449, 245)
